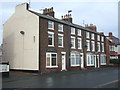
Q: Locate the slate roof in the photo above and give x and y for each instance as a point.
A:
(63, 22)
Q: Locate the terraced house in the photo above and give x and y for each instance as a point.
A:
(43, 43)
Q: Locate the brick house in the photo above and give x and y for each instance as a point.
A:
(114, 46)
(41, 42)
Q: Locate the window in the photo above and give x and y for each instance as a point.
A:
(88, 45)
(102, 39)
(112, 48)
(72, 30)
(87, 35)
(60, 40)
(98, 46)
(51, 60)
(79, 32)
(50, 39)
(102, 47)
(50, 25)
(79, 43)
(92, 36)
(72, 42)
(98, 37)
(90, 60)
(60, 27)
(93, 45)
(75, 59)
(103, 59)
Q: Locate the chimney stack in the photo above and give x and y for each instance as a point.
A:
(92, 27)
(67, 17)
(102, 33)
(110, 35)
(49, 11)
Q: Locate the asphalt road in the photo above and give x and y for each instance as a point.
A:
(92, 78)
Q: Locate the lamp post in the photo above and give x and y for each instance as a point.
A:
(69, 38)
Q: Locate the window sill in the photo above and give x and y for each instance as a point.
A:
(90, 65)
(74, 65)
(73, 48)
(50, 28)
(50, 46)
(61, 46)
(51, 66)
(103, 63)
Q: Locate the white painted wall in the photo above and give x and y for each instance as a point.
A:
(20, 50)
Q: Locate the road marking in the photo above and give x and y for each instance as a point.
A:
(107, 83)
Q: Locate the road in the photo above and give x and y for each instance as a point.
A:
(92, 78)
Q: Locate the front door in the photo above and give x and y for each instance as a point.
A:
(96, 58)
(63, 61)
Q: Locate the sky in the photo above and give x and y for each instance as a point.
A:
(103, 14)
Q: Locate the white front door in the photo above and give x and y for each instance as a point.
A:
(63, 61)
(82, 60)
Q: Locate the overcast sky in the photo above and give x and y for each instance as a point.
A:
(102, 14)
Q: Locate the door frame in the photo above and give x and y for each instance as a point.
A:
(64, 60)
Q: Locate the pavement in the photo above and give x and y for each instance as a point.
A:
(106, 77)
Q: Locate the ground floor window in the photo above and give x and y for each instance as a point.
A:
(90, 60)
(75, 59)
(103, 59)
(51, 60)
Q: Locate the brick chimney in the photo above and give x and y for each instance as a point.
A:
(67, 17)
(91, 26)
(49, 11)
(110, 35)
(102, 33)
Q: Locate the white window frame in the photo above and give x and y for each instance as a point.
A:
(88, 46)
(74, 60)
(62, 40)
(60, 25)
(51, 61)
(52, 23)
(87, 34)
(93, 36)
(98, 37)
(74, 42)
(72, 29)
(103, 49)
(79, 32)
(93, 43)
(52, 33)
(98, 45)
(80, 43)
(102, 38)
(90, 64)
(103, 59)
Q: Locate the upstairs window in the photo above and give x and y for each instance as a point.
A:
(92, 36)
(50, 39)
(102, 39)
(93, 45)
(98, 37)
(98, 46)
(88, 45)
(60, 27)
(73, 42)
(60, 40)
(102, 47)
(87, 35)
(51, 25)
(79, 43)
(72, 30)
(79, 32)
